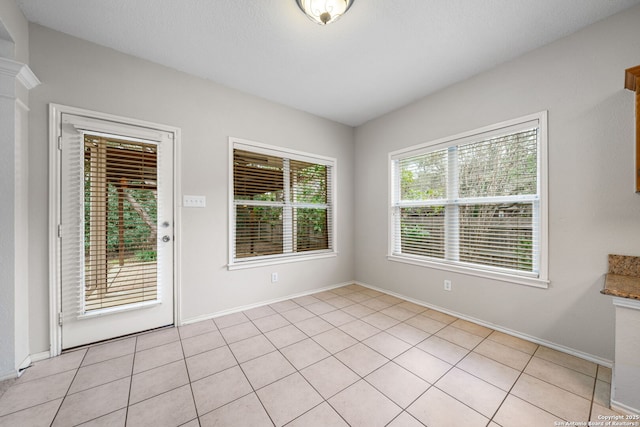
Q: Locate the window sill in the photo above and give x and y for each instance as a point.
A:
(239, 265)
(503, 277)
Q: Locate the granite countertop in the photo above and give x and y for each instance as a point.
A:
(623, 279)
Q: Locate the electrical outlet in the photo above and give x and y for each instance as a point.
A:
(274, 277)
(194, 201)
(447, 285)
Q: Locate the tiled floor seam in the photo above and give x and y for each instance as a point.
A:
(129, 404)
(258, 396)
(509, 393)
(191, 387)
(298, 371)
(571, 369)
(184, 358)
(69, 388)
(410, 403)
(133, 364)
(511, 388)
(392, 361)
(593, 394)
(460, 401)
(97, 418)
(431, 385)
(595, 380)
(253, 389)
(31, 407)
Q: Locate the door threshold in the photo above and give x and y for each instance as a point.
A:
(120, 338)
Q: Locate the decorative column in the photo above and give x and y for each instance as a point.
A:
(16, 79)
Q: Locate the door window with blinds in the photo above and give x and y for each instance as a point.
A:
(120, 217)
(282, 204)
(474, 202)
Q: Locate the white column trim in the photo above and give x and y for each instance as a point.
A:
(627, 303)
(15, 137)
(19, 71)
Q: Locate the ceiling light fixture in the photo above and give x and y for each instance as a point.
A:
(324, 11)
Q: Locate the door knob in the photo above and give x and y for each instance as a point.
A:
(166, 238)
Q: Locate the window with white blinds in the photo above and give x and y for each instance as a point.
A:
(474, 202)
(282, 204)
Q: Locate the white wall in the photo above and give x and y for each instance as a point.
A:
(82, 74)
(593, 210)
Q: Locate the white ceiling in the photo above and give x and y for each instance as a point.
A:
(381, 55)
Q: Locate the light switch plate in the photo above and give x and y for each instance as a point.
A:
(194, 201)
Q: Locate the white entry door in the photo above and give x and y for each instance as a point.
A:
(116, 229)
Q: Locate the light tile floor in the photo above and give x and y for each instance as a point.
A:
(351, 356)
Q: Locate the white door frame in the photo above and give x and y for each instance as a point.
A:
(55, 118)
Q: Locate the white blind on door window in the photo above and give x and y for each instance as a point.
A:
(120, 222)
(282, 205)
(475, 203)
(72, 222)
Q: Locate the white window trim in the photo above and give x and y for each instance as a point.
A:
(542, 279)
(258, 147)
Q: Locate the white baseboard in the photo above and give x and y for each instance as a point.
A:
(14, 374)
(24, 365)
(624, 409)
(40, 356)
(260, 304)
(540, 341)
(33, 358)
(8, 375)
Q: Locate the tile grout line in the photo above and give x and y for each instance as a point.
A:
(69, 388)
(294, 367)
(186, 368)
(511, 388)
(241, 370)
(109, 382)
(526, 401)
(434, 385)
(593, 395)
(133, 364)
(362, 378)
(557, 386)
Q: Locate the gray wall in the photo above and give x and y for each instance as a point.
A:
(593, 210)
(81, 74)
(14, 25)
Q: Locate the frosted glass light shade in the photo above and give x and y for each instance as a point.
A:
(324, 11)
